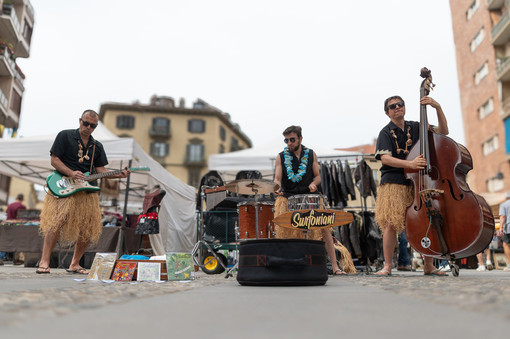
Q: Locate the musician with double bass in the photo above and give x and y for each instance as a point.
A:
(76, 218)
(395, 193)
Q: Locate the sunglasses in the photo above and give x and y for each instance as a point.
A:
(87, 124)
(290, 139)
(398, 104)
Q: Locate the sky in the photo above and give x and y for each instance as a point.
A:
(324, 65)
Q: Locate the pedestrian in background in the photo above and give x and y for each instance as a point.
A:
(504, 228)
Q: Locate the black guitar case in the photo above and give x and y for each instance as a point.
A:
(282, 262)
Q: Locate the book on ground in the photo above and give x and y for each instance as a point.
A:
(102, 266)
(148, 271)
(180, 266)
(124, 270)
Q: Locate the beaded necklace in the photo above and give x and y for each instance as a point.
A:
(302, 166)
(409, 141)
(80, 153)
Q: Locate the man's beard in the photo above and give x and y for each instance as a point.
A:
(296, 148)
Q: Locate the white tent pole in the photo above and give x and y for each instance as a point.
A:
(120, 244)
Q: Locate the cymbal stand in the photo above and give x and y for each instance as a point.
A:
(256, 206)
(236, 263)
(230, 270)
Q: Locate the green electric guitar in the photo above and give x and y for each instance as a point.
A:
(63, 186)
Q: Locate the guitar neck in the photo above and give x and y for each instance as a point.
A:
(102, 175)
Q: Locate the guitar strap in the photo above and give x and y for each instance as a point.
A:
(92, 162)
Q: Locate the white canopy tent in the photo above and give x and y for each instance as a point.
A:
(261, 158)
(29, 159)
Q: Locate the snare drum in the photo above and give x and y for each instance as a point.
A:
(247, 220)
(307, 201)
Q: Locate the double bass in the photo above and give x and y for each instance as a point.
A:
(446, 219)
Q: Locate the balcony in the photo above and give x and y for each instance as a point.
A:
(19, 77)
(13, 31)
(7, 64)
(494, 4)
(503, 69)
(500, 33)
(159, 132)
(197, 161)
(4, 103)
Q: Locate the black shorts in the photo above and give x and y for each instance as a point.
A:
(506, 238)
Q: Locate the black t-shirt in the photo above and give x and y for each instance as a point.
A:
(67, 148)
(289, 187)
(387, 144)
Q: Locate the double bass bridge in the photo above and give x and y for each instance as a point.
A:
(431, 193)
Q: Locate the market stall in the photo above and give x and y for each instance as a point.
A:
(28, 159)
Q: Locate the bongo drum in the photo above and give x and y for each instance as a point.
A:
(248, 220)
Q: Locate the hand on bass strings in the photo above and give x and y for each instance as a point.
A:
(429, 101)
(418, 163)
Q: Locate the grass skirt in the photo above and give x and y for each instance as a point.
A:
(391, 204)
(281, 206)
(75, 217)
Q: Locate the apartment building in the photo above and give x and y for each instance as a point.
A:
(481, 30)
(16, 25)
(179, 138)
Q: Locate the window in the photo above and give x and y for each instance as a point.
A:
(490, 145)
(222, 149)
(485, 109)
(223, 133)
(194, 177)
(194, 153)
(125, 122)
(27, 31)
(234, 145)
(481, 73)
(160, 149)
(5, 182)
(15, 103)
(472, 9)
(477, 40)
(196, 126)
(160, 126)
(495, 184)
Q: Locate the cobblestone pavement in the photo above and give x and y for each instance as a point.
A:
(66, 295)
(487, 292)
(24, 294)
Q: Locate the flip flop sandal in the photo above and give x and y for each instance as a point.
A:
(43, 270)
(79, 270)
(383, 273)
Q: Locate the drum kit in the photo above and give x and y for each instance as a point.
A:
(256, 217)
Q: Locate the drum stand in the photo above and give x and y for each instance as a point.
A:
(230, 270)
(197, 249)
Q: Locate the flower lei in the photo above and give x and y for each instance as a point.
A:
(288, 165)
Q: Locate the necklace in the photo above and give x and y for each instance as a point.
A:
(288, 165)
(80, 153)
(409, 141)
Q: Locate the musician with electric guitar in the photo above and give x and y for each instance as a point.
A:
(71, 209)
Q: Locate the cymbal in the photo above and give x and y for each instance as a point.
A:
(252, 186)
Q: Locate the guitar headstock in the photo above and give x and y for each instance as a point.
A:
(426, 85)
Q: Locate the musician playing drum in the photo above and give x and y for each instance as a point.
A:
(297, 172)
